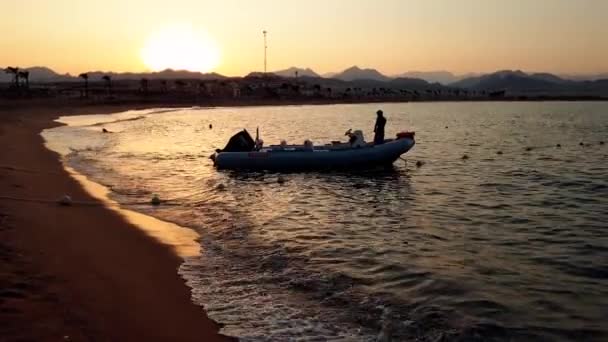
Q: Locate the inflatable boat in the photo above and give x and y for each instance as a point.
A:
(244, 153)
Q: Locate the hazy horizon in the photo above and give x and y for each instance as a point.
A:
(71, 36)
(322, 74)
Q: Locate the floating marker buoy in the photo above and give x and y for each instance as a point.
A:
(558, 145)
(499, 152)
(581, 144)
(601, 143)
(446, 127)
(529, 149)
(155, 200)
(66, 200)
(210, 126)
(419, 163)
(465, 157)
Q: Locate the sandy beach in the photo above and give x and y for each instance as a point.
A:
(79, 273)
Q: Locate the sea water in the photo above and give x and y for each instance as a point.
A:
(510, 243)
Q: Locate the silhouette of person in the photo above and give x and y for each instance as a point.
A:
(379, 128)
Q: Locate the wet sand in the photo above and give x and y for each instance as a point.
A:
(80, 272)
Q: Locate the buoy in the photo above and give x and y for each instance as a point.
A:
(529, 149)
(66, 200)
(104, 130)
(210, 126)
(558, 145)
(280, 180)
(446, 127)
(155, 200)
(499, 152)
(221, 187)
(419, 163)
(465, 157)
(581, 144)
(601, 143)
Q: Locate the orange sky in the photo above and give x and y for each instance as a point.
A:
(562, 36)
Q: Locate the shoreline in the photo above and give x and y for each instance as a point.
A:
(81, 273)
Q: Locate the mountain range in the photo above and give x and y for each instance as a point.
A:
(291, 72)
(443, 77)
(517, 82)
(514, 82)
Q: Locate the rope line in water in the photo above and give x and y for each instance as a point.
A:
(72, 202)
(18, 169)
(41, 200)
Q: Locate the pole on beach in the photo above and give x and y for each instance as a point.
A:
(265, 50)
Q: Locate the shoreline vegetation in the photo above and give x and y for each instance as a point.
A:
(79, 273)
(354, 86)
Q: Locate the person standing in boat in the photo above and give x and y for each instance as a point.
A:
(379, 128)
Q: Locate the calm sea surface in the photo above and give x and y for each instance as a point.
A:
(510, 246)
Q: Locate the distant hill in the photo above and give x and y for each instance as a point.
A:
(443, 77)
(499, 80)
(38, 74)
(585, 77)
(329, 74)
(356, 73)
(291, 72)
(413, 83)
(520, 83)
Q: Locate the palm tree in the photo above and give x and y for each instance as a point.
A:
(25, 75)
(85, 77)
(180, 85)
(317, 88)
(15, 72)
(144, 85)
(108, 80)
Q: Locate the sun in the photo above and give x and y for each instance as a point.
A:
(180, 48)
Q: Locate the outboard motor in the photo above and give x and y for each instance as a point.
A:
(240, 142)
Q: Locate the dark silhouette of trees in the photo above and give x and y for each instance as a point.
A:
(180, 85)
(25, 76)
(202, 89)
(143, 83)
(108, 81)
(15, 72)
(163, 86)
(317, 89)
(85, 77)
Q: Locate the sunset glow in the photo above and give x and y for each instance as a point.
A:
(180, 48)
(393, 36)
